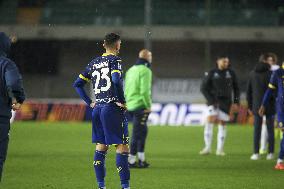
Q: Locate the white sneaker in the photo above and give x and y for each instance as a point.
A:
(205, 151)
(255, 157)
(270, 156)
(220, 153)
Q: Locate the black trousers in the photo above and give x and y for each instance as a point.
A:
(257, 132)
(4, 140)
(139, 131)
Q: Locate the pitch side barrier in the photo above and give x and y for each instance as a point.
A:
(173, 114)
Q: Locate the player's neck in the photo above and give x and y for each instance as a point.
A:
(221, 68)
(111, 51)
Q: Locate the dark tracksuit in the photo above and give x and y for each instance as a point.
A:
(217, 88)
(257, 85)
(10, 88)
(139, 131)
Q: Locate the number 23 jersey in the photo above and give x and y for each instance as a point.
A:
(99, 72)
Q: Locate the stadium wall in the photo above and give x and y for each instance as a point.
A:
(163, 114)
(165, 33)
(171, 60)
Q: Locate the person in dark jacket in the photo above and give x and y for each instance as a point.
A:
(217, 87)
(257, 85)
(11, 95)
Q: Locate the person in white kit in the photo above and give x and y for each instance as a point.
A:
(220, 89)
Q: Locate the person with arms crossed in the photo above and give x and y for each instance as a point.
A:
(217, 88)
(257, 85)
(276, 84)
(11, 95)
(108, 116)
(138, 84)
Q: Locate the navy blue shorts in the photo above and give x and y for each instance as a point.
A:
(280, 119)
(110, 125)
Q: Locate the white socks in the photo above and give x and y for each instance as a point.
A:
(264, 137)
(222, 132)
(208, 135)
(132, 158)
(141, 156)
(279, 161)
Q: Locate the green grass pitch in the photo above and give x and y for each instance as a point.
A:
(59, 156)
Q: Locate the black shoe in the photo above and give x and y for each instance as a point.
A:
(101, 187)
(132, 165)
(143, 164)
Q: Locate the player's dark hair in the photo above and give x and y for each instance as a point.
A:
(221, 56)
(110, 39)
(263, 58)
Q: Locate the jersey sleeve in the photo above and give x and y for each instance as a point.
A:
(80, 82)
(236, 89)
(14, 82)
(145, 87)
(249, 94)
(271, 87)
(205, 88)
(86, 74)
(116, 77)
(273, 81)
(116, 67)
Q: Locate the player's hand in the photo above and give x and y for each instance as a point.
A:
(261, 110)
(123, 106)
(235, 107)
(93, 104)
(250, 112)
(147, 111)
(16, 106)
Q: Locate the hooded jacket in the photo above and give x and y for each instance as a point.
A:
(11, 85)
(138, 84)
(257, 85)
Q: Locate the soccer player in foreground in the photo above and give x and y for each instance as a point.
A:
(108, 117)
(276, 83)
(217, 87)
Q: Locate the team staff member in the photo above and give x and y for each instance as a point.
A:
(257, 85)
(138, 83)
(11, 95)
(217, 87)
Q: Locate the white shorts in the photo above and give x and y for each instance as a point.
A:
(212, 111)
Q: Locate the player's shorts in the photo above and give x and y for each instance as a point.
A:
(110, 125)
(221, 115)
(280, 119)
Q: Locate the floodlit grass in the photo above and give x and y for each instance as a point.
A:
(60, 156)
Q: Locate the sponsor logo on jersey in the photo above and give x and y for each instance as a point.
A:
(216, 75)
(228, 75)
(101, 65)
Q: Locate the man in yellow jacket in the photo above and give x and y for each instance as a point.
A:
(138, 84)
